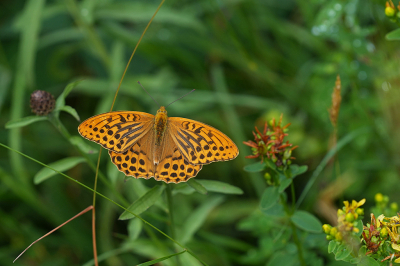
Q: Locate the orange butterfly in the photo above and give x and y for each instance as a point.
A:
(171, 149)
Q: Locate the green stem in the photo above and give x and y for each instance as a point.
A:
(171, 216)
(91, 34)
(293, 197)
(294, 232)
(297, 242)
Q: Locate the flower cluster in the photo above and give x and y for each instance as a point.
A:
(380, 238)
(270, 143)
(391, 11)
(348, 218)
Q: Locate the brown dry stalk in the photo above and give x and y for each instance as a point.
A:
(336, 100)
(61, 225)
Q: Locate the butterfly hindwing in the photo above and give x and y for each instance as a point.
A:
(137, 160)
(200, 143)
(116, 131)
(173, 167)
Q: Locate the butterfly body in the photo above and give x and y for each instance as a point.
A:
(160, 125)
(170, 149)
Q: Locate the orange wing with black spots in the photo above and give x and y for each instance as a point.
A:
(116, 131)
(200, 143)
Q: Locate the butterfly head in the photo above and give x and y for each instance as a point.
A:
(162, 110)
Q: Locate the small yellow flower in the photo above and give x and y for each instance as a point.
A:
(389, 11)
(327, 228)
(380, 220)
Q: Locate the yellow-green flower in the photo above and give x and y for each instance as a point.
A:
(397, 248)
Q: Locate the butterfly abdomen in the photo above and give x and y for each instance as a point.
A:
(160, 125)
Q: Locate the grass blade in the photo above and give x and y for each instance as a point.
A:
(152, 262)
(143, 203)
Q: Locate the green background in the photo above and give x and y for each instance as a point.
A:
(249, 61)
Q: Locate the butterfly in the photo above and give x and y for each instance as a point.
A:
(170, 149)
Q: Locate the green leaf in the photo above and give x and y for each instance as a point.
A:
(255, 167)
(358, 224)
(197, 186)
(306, 221)
(134, 229)
(220, 187)
(152, 262)
(71, 111)
(61, 99)
(354, 260)
(82, 145)
(61, 165)
(333, 244)
(284, 184)
(197, 218)
(24, 121)
(275, 211)
(393, 35)
(368, 261)
(143, 203)
(342, 252)
(269, 198)
(183, 188)
(141, 12)
(297, 170)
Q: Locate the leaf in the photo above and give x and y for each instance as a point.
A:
(393, 35)
(141, 12)
(24, 121)
(61, 166)
(183, 188)
(220, 187)
(367, 261)
(275, 211)
(82, 145)
(152, 262)
(134, 229)
(269, 198)
(284, 184)
(359, 225)
(197, 186)
(306, 221)
(143, 203)
(197, 218)
(61, 99)
(297, 170)
(342, 252)
(333, 244)
(71, 111)
(255, 167)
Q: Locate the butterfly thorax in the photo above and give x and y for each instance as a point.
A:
(160, 125)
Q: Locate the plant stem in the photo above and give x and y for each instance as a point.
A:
(294, 232)
(297, 242)
(293, 197)
(171, 216)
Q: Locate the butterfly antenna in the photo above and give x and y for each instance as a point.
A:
(181, 97)
(148, 93)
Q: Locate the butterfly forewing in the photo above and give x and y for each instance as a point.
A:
(200, 143)
(117, 131)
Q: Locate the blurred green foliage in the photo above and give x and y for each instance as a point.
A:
(249, 61)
